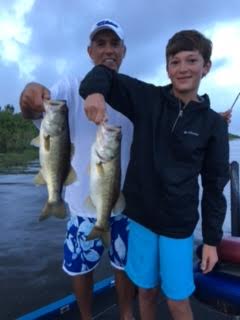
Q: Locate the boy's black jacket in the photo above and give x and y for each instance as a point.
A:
(168, 153)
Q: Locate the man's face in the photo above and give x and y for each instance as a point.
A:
(185, 70)
(107, 49)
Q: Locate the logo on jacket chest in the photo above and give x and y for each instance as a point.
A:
(191, 133)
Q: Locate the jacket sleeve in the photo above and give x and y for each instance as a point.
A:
(215, 175)
(120, 91)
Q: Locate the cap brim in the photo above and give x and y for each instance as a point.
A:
(92, 35)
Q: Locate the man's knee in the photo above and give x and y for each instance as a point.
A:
(149, 295)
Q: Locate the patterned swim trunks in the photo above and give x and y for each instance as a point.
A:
(82, 256)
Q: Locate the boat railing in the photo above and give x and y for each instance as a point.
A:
(235, 199)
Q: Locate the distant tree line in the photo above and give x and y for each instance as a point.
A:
(16, 133)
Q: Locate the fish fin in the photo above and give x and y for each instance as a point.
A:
(89, 205)
(56, 209)
(39, 179)
(72, 150)
(47, 143)
(35, 142)
(104, 235)
(71, 177)
(99, 168)
(120, 204)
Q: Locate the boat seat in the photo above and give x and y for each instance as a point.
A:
(228, 250)
(221, 288)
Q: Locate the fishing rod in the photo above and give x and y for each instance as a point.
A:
(235, 101)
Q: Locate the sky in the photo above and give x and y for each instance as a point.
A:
(45, 40)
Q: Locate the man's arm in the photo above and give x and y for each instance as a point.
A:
(227, 115)
(31, 100)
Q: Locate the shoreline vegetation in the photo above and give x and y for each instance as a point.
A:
(233, 137)
(16, 134)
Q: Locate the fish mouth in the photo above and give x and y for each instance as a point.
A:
(111, 128)
(57, 102)
(54, 104)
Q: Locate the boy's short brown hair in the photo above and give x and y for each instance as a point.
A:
(189, 40)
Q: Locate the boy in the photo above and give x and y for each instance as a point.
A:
(177, 136)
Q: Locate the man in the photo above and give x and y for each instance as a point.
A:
(80, 256)
(177, 136)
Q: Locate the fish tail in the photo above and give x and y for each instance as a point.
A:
(56, 209)
(100, 233)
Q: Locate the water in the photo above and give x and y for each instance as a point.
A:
(31, 275)
(31, 252)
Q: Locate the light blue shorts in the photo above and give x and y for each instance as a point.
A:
(82, 256)
(154, 260)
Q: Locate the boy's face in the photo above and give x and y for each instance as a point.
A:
(185, 70)
(107, 49)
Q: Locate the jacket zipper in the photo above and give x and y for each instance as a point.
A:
(179, 115)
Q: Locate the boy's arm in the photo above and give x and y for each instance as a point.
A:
(116, 89)
(215, 175)
(95, 108)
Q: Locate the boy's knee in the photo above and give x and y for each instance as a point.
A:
(179, 305)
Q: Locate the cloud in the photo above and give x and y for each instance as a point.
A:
(15, 35)
(226, 47)
(224, 80)
(46, 39)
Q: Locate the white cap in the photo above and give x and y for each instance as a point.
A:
(107, 24)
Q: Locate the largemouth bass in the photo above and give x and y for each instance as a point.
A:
(55, 156)
(105, 180)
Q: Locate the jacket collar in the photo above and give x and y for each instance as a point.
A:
(175, 102)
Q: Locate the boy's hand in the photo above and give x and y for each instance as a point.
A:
(95, 108)
(209, 258)
(227, 115)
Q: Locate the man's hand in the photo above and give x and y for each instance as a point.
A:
(209, 258)
(31, 100)
(95, 108)
(227, 115)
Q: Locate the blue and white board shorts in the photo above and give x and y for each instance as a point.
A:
(82, 256)
(153, 259)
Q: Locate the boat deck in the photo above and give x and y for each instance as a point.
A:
(105, 308)
(105, 302)
(110, 310)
